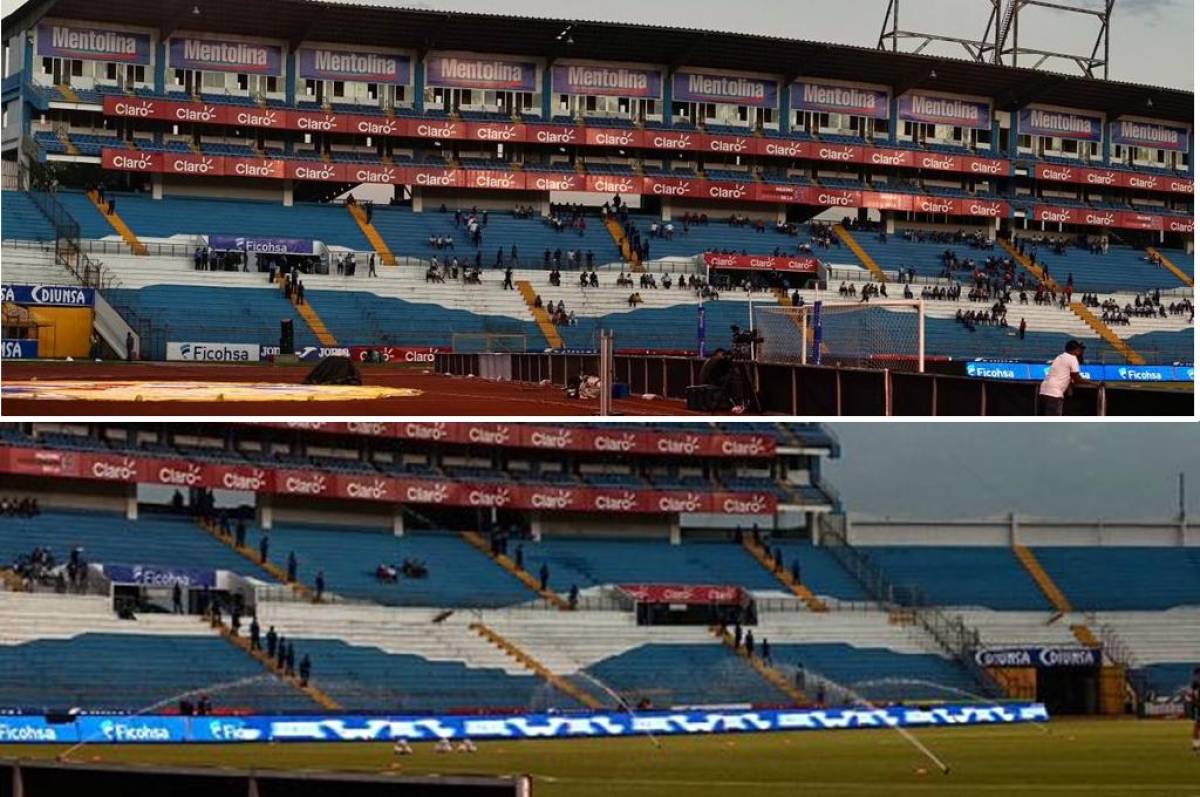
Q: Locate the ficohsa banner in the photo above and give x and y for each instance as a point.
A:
(212, 352)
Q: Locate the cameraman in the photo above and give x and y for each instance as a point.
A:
(725, 373)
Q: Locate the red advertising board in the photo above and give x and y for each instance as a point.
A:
(437, 128)
(131, 160)
(376, 487)
(272, 168)
(397, 354)
(193, 164)
(619, 137)
(691, 594)
(434, 176)
(496, 132)
(1113, 177)
(169, 110)
(554, 134)
(1110, 218)
(494, 179)
(834, 197)
(614, 183)
(555, 181)
(878, 199)
(804, 265)
(315, 170)
(375, 173)
(1179, 224)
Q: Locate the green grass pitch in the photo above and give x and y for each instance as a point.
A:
(1096, 758)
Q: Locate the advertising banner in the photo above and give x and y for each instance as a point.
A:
(222, 55)
(496, 132)
(437, 129)
(1039, 657)
(397, 354)
(956, 111)
(256, 117)
(212, 352)
(194, 164)
(1154, 135)
(804, 265)
(1077, 125)
(318, 121)
(18, 349)
(493, 179)
(1036, 372)
(273, 246)
(811, 95)
(60, 40)
(42, 462)
(1132, 220)
(48, 295)
(126, 729)
(704, 87)
(318, 63)
(606, 80)
(170, 110)
(269, 168)
(480, 73)
(433, 176)
(1119, 178)
(614, 137)
(554, 134)
(158, 576)
(314, 170)
(555, 181)
(130, 160)
(690, 594)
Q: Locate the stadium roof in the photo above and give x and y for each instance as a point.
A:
(424, 29)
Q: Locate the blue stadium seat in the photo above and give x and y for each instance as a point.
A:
(959, 575)
(879, 674)
(1124, 578)
(684, 674)
(23, 220)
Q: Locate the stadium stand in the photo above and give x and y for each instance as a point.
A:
(1149, 578)
(949, 576)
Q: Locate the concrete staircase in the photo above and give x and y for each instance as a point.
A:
(1169, 266)
(476, 540)
(1103, 330)
(864, 258)
(536, 667)
(549, 331)
(372, 234)
(118, 224)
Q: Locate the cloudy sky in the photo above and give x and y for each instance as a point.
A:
(1151, 39)
(1078, 470)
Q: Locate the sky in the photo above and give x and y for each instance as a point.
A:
(941, 470)
(1151, 40)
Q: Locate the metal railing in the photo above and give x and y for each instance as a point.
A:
(951, 633)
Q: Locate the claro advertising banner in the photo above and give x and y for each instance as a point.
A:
(373, 487)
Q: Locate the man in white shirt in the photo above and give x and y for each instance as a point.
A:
(1062, 376)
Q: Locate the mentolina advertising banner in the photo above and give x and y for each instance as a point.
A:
(63, 40)
(321, 63)
(730, 90)
(937, 109)
(457, 71)
(606, 80)
(810, 95)
(224, 55)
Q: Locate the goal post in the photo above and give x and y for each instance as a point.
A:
(888, 333)
(488, 343)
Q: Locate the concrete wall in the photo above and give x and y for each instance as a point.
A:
(1026, 531)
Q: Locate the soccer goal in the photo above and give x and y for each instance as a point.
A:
(889, 333)
(488, 343)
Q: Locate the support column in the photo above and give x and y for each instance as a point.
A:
(262, 507)
(289, 78)
(666, 211)
(156, 186)
(676, 533)
(1014, 530)
(289, 188)
(784, 111)
(535, 528)
(419, 86)
(418, 200)
(548, 97)
(397, 522)
(131, 502)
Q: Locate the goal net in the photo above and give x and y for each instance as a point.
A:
(488, 343)
(878, 334)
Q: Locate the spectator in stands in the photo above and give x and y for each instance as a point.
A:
(281, 653)
(520, 557)
(573, 596)
(240, 538)
(737, 635)
(750, 644)
(264, 544)
(800, 676)
(290, 661)
(177, 599)
(129, 346)
(320, 582)
(1064, 374)
(235, 621)
(778, 555)
(305, 670)
(1021, 329)
(796, 571)
(272, 640)
(765, 650)
(255, 643)
(508, 280)
(544, 575)
(204, 707)
(291, 566)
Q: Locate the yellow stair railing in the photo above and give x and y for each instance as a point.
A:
(553, 338)
(372, 234)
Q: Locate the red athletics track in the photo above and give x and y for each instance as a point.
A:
(441, 395)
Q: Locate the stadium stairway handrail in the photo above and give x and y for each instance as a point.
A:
(1169, 266)
(955, 637)
(1107, 335)
(798, 588)
(762, 667)
(535, 666)
(243, 644)
(476, 540)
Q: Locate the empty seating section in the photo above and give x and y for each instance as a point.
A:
(1122, 268)
(1168, 680)
(925, 257)
(877, 674)
(683, 674)
(130, 672)
(231, 314)
(820, 572)
(84, 656)
(459, 575)
(366, 678)
(592, 562)
(151, 218)
(408, 233)
(23, 221)
(718, 234)
(367, 318)
(114, 540)
(1124, 578)
(958, 576)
